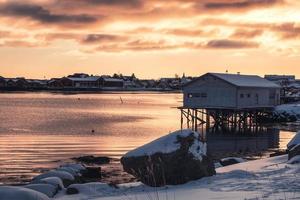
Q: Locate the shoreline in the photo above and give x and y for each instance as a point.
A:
(113, 173)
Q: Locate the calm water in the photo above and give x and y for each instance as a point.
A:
(41, 130)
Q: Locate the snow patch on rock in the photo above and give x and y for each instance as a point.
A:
(20, 193)
(46, 189)
(55, 181)
(168, 144)
(54, 173)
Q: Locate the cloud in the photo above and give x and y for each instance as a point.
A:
(246, 33)
(230, 44)
(239, 4)
(287, 30)
(126, 3)
(38, 13)
(96, 38)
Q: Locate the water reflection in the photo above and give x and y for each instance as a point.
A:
(265, 141)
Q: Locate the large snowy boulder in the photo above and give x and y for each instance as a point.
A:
(47, 189)
(66, 177)
(172, 159)
(295, 141)
(20, 193)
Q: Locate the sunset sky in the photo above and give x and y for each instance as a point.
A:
(152, 38)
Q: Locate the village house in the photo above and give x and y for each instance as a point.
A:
(86, 82)
(231, 91)
(58, 83)
(36, 84)
(16, 83)
(107, 82)
(2, 82)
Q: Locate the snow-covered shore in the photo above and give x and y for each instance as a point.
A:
(288, 109)
(270, 178)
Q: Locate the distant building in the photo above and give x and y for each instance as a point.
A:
(86, 82)
(279, 78)
(16, 83)
(78, 75)
(36, 84)
(106, 82)
(230, 91)
(2, 82)
(57, 83)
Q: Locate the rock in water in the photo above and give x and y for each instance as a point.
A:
(170, 160)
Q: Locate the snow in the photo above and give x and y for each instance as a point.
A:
(54, 173)
(20, 193)
(46, 189)
(295, 141)
(168, 144)
(291, 109)
(268, 179)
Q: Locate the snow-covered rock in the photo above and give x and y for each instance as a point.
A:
(172, 159)
(47, 189)
(169, 144)
(70, 170)
(294, 141)
(55, 181)
(20, 193)
(231, 161)
(99, 189)
(75, 167)
(66, 177)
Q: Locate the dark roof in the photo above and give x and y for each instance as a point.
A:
(242, 80)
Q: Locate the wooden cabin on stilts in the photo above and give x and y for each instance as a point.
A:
(227, 102)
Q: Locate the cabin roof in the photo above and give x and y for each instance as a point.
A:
(243, 80)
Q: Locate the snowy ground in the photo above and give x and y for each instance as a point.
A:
(270, 178)
(291, 109)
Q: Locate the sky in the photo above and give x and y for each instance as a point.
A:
(151, 38)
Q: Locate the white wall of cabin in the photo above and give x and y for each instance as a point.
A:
(219, 93)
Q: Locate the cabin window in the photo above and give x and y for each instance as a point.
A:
(248, 95)
(241, 95)
(194, 95)
(197, 95)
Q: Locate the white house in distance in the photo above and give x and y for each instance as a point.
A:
(230, 91)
